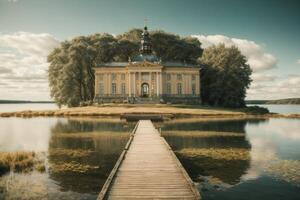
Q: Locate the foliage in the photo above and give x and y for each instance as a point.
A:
(71, 76)
(257, 110)
(225, 76)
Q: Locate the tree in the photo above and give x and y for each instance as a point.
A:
(71, 75)
(170, 47)
(225, 76)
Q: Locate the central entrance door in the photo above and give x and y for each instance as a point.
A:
(145, 90)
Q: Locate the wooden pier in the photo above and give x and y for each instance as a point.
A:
(148, 169)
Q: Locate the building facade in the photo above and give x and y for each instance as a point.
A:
(146, 79)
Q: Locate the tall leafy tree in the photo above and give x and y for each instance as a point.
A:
(71, 75)
(225, 76)
(170, 47)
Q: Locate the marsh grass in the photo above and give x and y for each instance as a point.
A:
(83, 135)
(203, 134)
(72, 166)
(72, 153)
(287, 170)
(217, 153)
(20, 162)
(224, 164)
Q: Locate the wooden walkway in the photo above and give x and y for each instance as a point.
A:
(148, 169)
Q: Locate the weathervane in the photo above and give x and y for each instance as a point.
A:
(145, 21)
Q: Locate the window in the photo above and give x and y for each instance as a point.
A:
(136, 76)
(153, 76)
(179, 89)
(193, 77)
(113, 76)
(145, 76)
(194, 89)
(168, 77)
(123, 77)
(101, 77)
(113, 88)
(123, 89)
(101, 89)
(179, 77)
(168, 88)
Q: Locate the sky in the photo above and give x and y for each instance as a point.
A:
(267, 32)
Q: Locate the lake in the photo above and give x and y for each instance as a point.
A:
(227, 159)
(239, 159)
(78, 154)
(13, 107)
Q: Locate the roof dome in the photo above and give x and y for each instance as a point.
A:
(145, 57)
(146, 53)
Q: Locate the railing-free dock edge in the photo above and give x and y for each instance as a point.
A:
(150, 170)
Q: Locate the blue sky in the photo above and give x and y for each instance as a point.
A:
(267, 31)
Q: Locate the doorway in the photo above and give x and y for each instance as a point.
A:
(145, 90)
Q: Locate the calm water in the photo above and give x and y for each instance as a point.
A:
(240, 159)
(79, 155)
(282, 109)
(12, 107)
(228, 159)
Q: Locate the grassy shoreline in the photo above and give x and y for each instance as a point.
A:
(169, 111)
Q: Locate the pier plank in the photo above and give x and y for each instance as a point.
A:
(148, 169)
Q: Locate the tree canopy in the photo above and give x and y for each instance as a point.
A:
(225, 76)
(71, 76)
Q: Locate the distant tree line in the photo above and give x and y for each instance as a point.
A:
(71, 75)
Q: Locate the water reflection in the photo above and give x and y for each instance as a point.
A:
(229, 158)
(217, 136)
(80, 155)
(84, 157)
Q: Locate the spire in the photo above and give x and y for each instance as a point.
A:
(146, 47)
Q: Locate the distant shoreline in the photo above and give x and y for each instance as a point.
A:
(294, 101)
(22, 101)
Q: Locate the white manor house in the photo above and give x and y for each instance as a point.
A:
(147, 79)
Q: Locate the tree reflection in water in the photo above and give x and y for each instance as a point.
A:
(82, 153)
(196, 150)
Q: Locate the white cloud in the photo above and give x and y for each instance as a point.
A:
(258, 77)
(265, 87)
(257, 58)
(30, 43)
(23, 64)
(298, 61)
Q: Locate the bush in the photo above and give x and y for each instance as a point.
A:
(256, 110)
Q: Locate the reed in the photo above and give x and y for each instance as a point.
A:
(20, 161)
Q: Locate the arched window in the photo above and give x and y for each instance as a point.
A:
(179, 89)
(193, 89)
(101, 89)
(114, 88)
(169, 88)
(123, 89)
